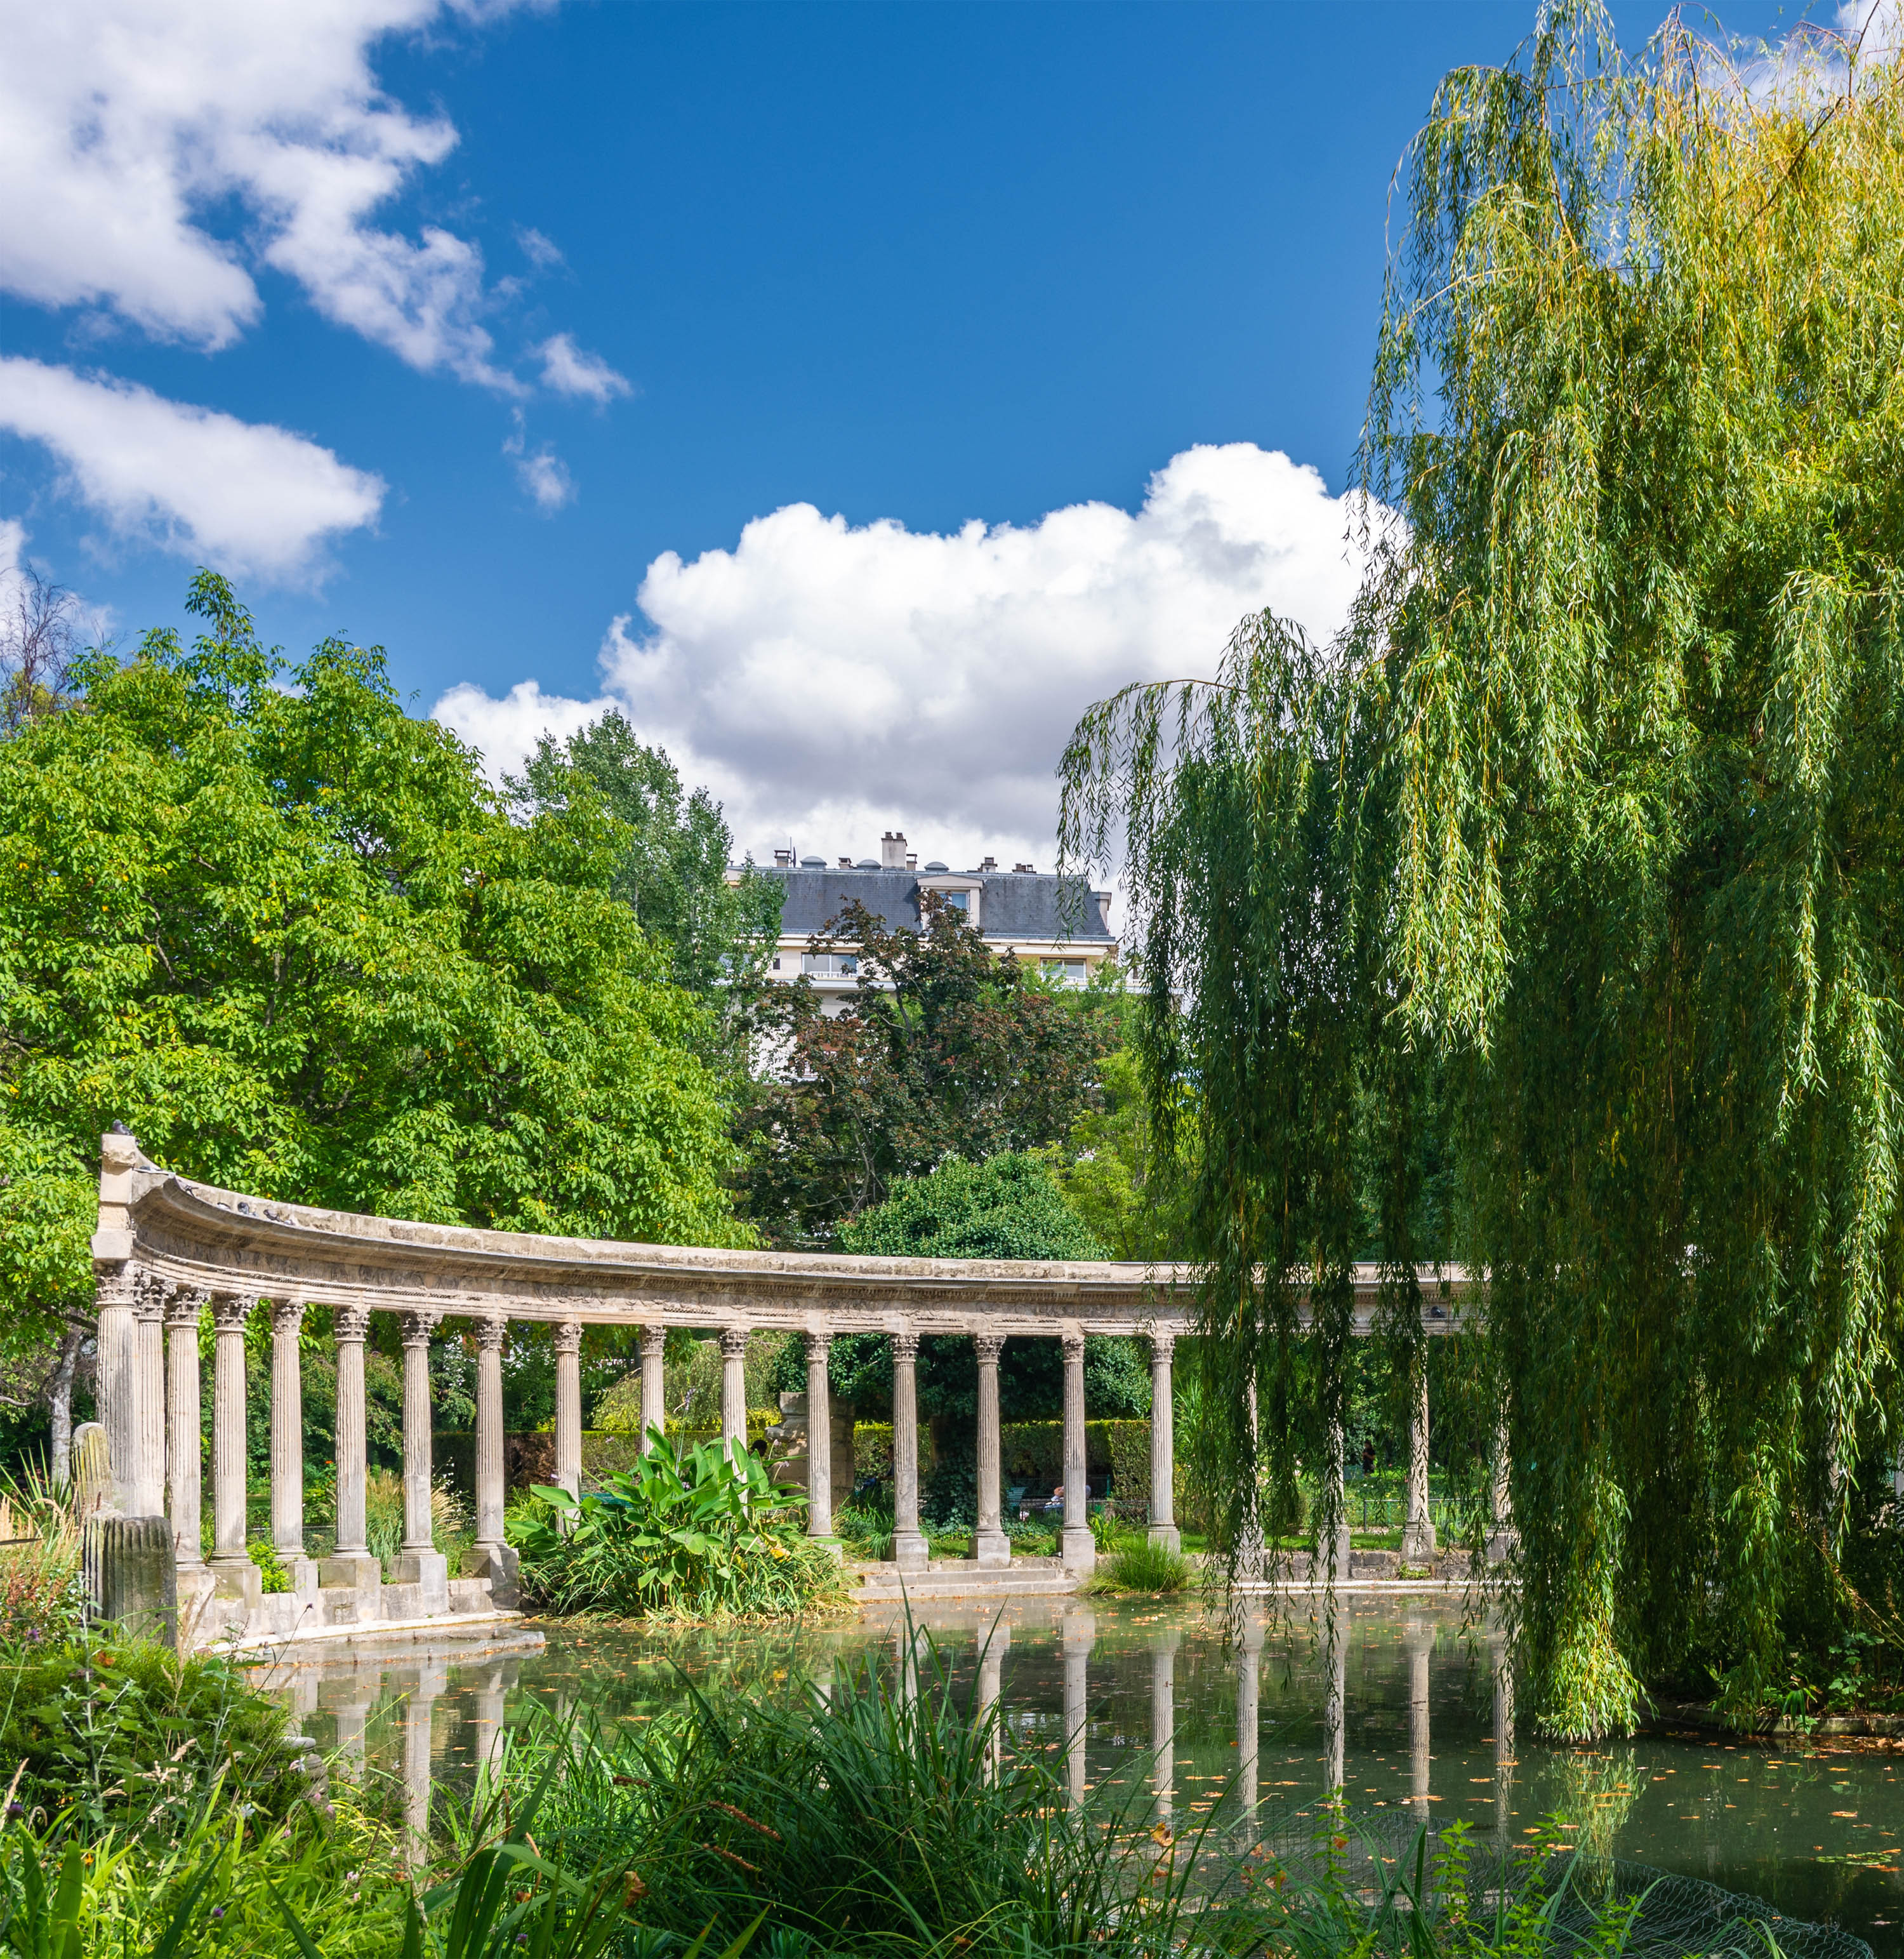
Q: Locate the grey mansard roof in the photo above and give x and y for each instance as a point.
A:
(1012, 904)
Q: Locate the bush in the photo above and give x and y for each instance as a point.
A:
(694, 1535)
(1144, 1566)
(111, 1733)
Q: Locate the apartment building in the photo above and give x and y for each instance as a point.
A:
(1051, 923)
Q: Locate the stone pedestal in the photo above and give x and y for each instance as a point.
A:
(354, 1570)
(502, 1566)
(427, 1569)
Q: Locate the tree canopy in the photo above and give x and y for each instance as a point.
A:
(283, 931)
(1582, 849)
(944, 1049)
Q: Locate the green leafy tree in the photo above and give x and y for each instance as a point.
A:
(289, 937)
(671, 864)
(1587, 837)
(944, 1049)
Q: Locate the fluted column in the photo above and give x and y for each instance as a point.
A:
(910, 1552)
(734, 1391)
(991, 1547)
(419, 1562)
(147, 1494)
(491, 1557)
(1332, 1551)
(654, 1393)
(236, 1578)
(819, 1436)
(1418, 1531)
(1079, 1630)
(114, 1280)
(1420, 1642)
(185, 1435)
(1500, 1540)
(287, 1443)
(1079, 1548)
(1163, 1465)
(350, 1563)
(568, 1406)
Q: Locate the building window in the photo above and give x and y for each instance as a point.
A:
(959, 901)
(1067, 972)
(830, 965)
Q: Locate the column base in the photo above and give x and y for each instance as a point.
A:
(428, 1569)
(1500, 1544)
(832, 1546)
(1079, 1550)
(1417, 1543)
(501, 1564)
(1168, 1535)
(195, 1589)
(354, 1570)
(991, 1550)
(910, 1550)
(1344, 1554)
(238, 1581)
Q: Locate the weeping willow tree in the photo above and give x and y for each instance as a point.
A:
(1580, 853)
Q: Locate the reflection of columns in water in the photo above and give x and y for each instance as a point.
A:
(1501, 1664)
(430, 1677)
(1420, 1641)
(1249, 1657)
(996, 1643)
(1335, 1669)
(907, 1639)
(351, 1697)
(492, 1686)
(1080, 1630)
(1163, 1723)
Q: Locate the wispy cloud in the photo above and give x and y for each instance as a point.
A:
(568, 370)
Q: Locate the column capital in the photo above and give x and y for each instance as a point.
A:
(418, 1328)
(229, 1312)
(287, 1315)
(490, 1330)
(116, 1282)
(350, 1324)
(819, 1346)
(654, 1342)
(905, 1345)
(733, 1343)
(988, 1347)
(1163, 1345)
(568, 1336)
(1073, 1346)
(149, 1294)
(183, 1309)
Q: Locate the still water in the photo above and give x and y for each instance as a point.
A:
(1405, 1695)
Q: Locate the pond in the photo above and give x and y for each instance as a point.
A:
(1164, 1699)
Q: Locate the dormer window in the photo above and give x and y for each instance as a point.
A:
(959, 901)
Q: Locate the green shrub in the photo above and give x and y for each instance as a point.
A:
(695, 1535)
(1141, 1565)
(113, 1734)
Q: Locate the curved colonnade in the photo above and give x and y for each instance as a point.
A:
(166, 1246)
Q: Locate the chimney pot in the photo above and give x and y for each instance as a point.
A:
(892, 851)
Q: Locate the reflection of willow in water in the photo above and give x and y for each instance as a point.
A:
(1595, 1790)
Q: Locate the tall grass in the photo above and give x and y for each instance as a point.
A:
(41, 1596)
(1138, 1565)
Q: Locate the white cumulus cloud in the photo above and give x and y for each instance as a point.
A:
(250, 498)
(832, 680)
(568, 370)
(152, 153)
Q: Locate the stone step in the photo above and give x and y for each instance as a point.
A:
(950, 1582)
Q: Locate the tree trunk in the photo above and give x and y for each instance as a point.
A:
(59, 1403)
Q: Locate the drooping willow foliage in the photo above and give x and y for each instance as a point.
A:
(1578, 862)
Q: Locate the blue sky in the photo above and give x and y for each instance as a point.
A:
(504, 304)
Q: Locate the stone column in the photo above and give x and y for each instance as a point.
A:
(1164, 1725)
(992, 1666)
(113, 1278)
(1252, 1565)
(148, 1496)
(1079, 1633)
(910, 1552)
(419, 1562)
(234, 1577)
(1249, 1689)
(287, 1444)
(1163, 1461)
(490, 1558)
(654, 1394)
(734, 1391)
(1420, 1641)
(1079, 1548)
(1332, 1551)
(1418, 1531)
(819, 1436)
(568, 1406)
(184, 1431)
(991, 1546)
(350, 1563)
(1501, 1538)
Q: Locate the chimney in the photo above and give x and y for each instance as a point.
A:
(911, 860)
(989, 863)
(782, 860)
(1021, 867)
(845, 863)
(892, 851)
